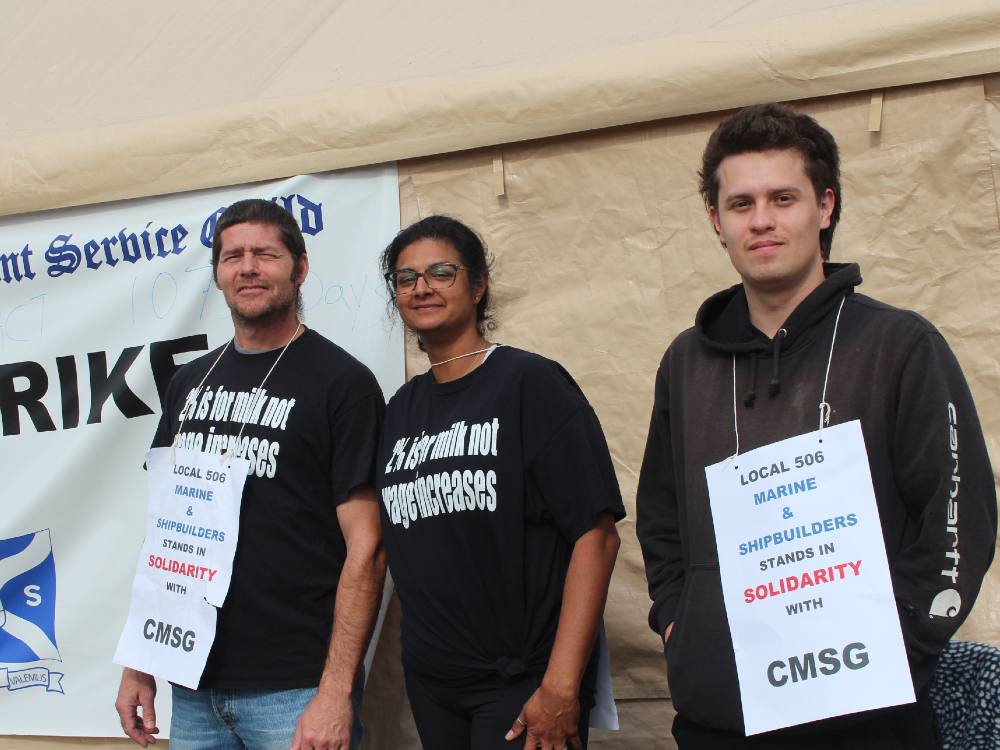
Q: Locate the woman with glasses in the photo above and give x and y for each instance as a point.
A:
(498, 509)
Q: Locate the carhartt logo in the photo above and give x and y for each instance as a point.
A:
(947, 603)
(952, 555)
(27, 599)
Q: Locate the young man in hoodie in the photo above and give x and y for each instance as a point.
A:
(755, 363)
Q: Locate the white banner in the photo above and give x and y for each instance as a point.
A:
(98, 306)
(806, 582)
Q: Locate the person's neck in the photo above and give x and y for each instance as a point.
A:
(441, 351)
(262, 337)
(770, 309)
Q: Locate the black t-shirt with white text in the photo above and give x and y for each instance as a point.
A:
(486, 483)
(310, 438)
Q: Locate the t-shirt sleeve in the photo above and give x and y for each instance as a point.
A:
(166, 427)
(571, 470)
(355, 424)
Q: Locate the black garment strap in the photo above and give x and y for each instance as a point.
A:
(752, 393)
(775, 386)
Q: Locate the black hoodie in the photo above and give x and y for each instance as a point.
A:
(891, 370)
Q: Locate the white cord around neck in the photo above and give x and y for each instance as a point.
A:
(824, 407)
(736, 424)
(197, 390)
(229, 451)
(461, 356)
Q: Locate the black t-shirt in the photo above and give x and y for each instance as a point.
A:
(310, 438)
(486, 483)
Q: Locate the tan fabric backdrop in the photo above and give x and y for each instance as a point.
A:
(118, 99)
(603, 254)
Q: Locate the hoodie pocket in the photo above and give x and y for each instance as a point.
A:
(701, 667)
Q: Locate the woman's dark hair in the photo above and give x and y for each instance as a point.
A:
(467, 244)
(772, 127)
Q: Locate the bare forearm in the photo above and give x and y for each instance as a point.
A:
(359, 593)
(584, 596)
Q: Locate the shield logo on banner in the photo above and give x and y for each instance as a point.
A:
(27, 599)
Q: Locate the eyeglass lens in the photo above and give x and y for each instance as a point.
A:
(437, 276)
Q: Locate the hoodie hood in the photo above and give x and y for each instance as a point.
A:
(723, 321)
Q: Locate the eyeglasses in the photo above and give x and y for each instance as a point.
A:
(437, 276)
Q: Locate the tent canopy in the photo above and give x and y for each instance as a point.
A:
(117, 99)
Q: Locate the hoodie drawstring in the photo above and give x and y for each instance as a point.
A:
(824, 407)
(752, 393)
(774, 388)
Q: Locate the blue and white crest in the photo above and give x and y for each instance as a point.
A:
(27, 599)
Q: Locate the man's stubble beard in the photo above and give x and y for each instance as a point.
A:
(271, 314)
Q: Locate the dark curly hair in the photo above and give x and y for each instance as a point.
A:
(767, 127)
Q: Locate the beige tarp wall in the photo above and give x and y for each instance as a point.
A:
(603, 254)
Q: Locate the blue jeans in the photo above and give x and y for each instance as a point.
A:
(213, 719)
